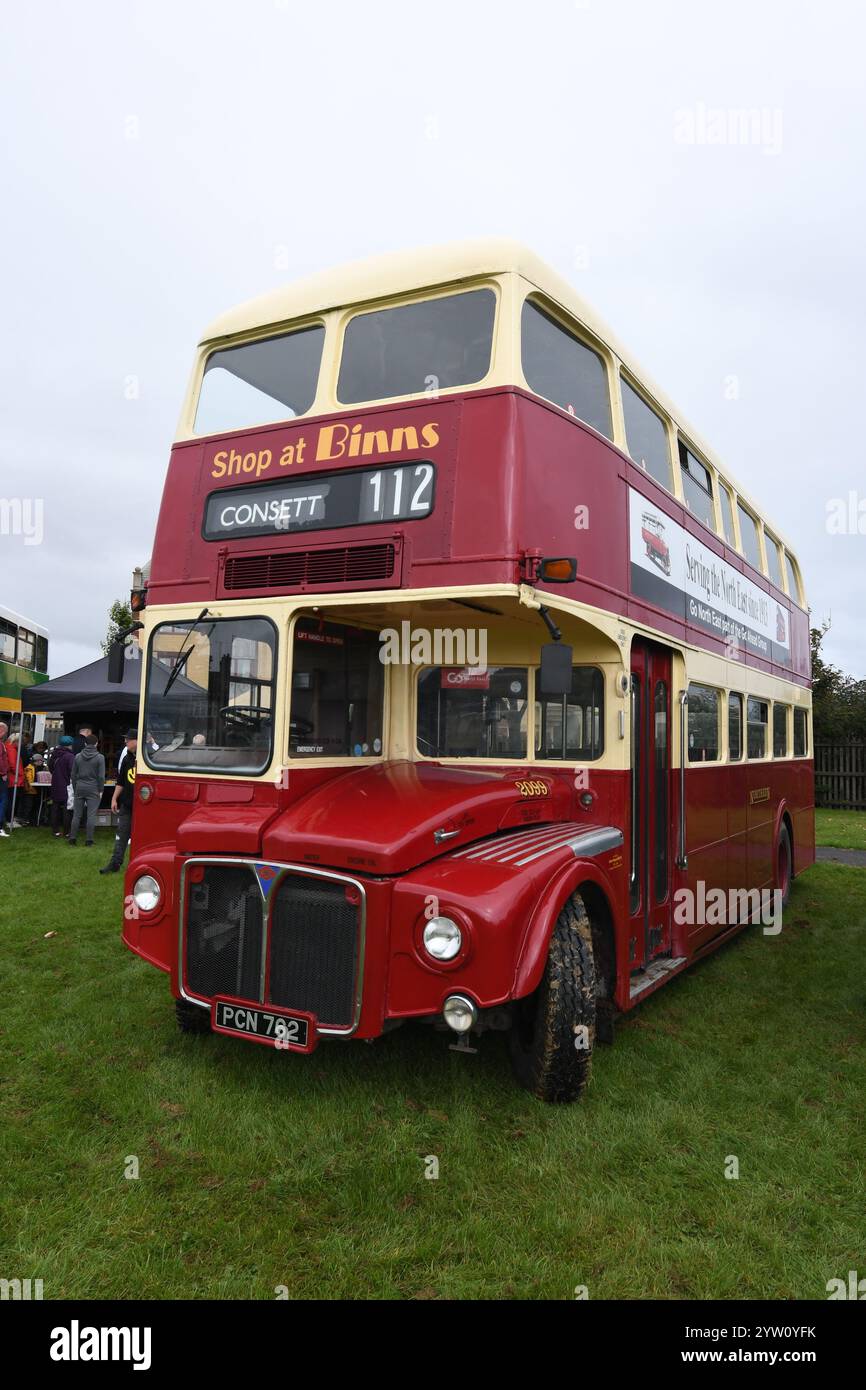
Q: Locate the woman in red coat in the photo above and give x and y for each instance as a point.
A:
(15, 776)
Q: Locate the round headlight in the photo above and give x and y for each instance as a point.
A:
(146, 893)
(442, 938)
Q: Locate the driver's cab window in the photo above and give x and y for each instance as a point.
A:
(466, 712)
(338, 684)
(209, 700)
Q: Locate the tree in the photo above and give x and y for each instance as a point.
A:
(119, 619)
(838, 701)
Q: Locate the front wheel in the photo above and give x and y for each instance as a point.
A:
(553, 1031)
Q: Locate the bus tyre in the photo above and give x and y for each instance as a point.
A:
(191, 1018)
(784, 864)
(553, 1031)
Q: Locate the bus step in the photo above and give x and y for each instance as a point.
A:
(642, 980)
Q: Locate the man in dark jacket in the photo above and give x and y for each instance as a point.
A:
(122, 802)
(88, 780)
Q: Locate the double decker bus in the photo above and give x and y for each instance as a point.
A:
(473, 675)
(23, 662)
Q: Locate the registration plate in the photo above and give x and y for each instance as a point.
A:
(283, 1029)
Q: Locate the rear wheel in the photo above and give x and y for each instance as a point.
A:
(553, 1031)
(191, 1018)
(784, 860)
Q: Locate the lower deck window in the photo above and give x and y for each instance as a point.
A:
(801, 735)
(338, 687)
(703, 724)
(780, 731)
(735, 727)
(572, 726)
(467, 713)
(758, 720)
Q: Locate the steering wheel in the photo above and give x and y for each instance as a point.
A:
(298, 727)
(244, 718)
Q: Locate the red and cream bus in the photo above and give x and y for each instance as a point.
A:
(476, 689)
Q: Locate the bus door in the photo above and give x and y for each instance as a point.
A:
(651, 832)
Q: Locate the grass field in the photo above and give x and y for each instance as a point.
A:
(842, 829)
(259, 1169)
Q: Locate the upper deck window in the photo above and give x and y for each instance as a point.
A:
(564, 370)
(727, 514)
(256, 383)
(26, 647)
(646, 436)
(697, 487)
(749, 535)
(774, 566)
(432, 345)
(793, 587)
(8, 637)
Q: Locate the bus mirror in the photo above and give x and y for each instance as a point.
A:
(554, 677)
(116, 663)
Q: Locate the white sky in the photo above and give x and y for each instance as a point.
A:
(163, 161)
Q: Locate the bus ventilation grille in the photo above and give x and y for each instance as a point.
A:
(350, 565)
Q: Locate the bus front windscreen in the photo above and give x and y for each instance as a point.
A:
(210, 696)
(337, 692)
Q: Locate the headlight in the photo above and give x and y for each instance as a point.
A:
(442, 938)
(146, 893)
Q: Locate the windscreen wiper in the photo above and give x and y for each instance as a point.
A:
(183, 655)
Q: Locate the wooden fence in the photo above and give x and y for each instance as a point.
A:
(840, 775)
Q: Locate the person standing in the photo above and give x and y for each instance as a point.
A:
(88, 781)
(61, 762)
(4, 778)
(122, 802)
(15, 779)
(81, 738)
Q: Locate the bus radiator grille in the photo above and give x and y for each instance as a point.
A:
(224, 933)
(314, 949)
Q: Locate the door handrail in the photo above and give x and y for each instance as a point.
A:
(682, 857)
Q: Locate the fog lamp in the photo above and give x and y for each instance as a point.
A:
(459, 1013)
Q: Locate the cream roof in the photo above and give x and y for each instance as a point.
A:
(427, 267)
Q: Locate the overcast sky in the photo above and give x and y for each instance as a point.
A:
(163, 161)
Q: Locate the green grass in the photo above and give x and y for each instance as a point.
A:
(841, 829)
(259, 1169)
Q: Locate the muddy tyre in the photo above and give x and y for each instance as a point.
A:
(191, 1018)
(784, 864)
(553, 1030)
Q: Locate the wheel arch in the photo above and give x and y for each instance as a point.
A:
(588, 879)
